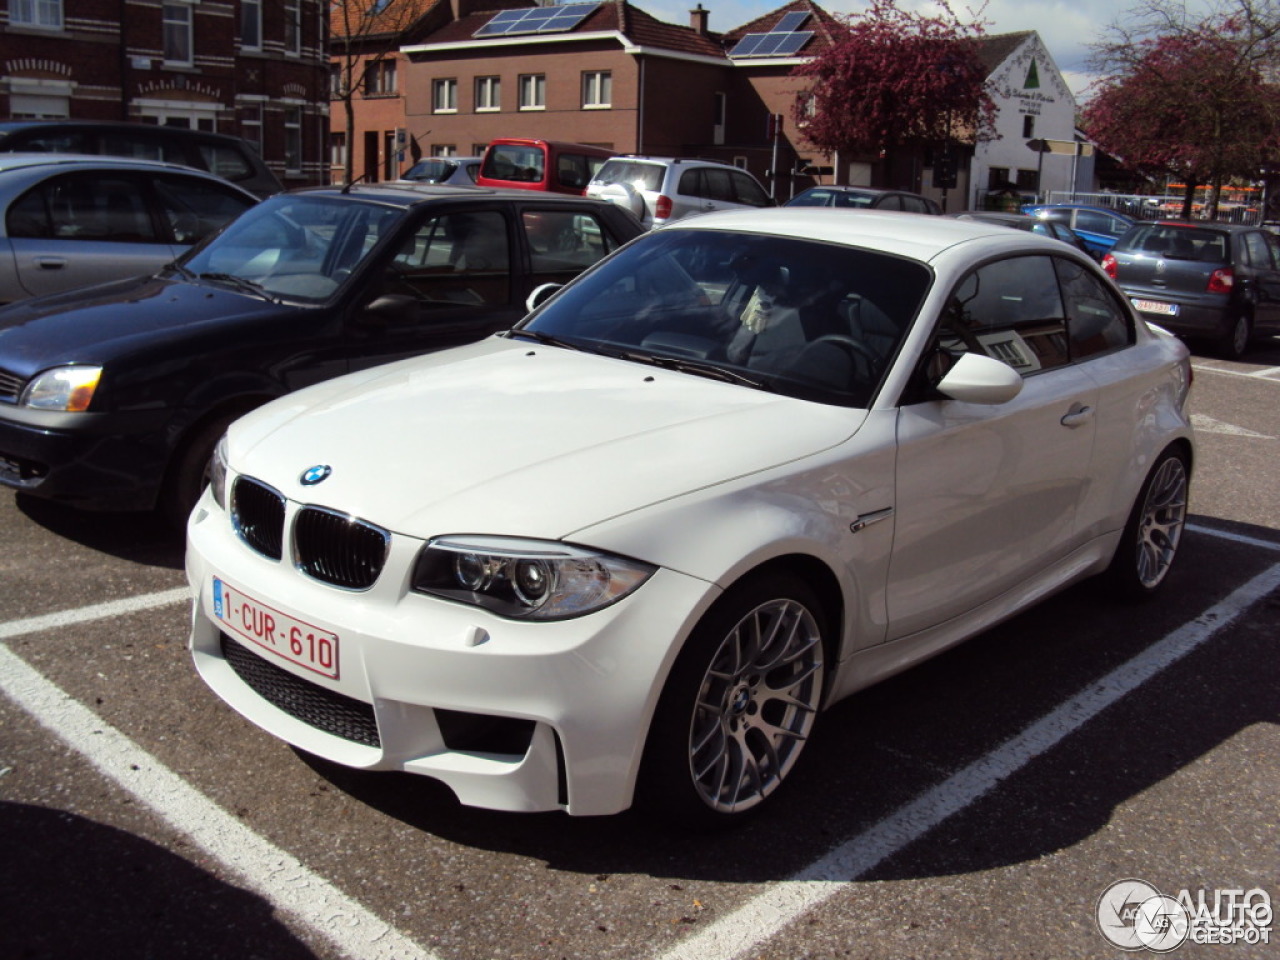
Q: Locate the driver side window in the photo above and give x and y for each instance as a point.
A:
(1010, 310)
(457, 258)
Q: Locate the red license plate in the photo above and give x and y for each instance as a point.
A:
(287, 637)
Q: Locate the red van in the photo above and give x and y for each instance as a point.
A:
(541, 165)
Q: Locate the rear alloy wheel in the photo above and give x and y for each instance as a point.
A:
(1154, 531)
(739, 705)
(1233, 344)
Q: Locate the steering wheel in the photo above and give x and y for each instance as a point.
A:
(864, 359)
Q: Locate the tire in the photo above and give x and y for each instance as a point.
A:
(1153, 532)
(738, 706)
(626, 196)
(1233, 344)
(188, 473)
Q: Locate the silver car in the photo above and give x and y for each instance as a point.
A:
(73, 221)
(659, 190)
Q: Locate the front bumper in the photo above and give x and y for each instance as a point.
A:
(83, 459)
(510, 715)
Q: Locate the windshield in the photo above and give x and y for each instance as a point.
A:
(798, 317)
(295, 246)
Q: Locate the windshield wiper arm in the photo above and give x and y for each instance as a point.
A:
(240, 283)
(700, 368)
(546, 338)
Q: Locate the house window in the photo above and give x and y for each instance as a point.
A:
(251, 126)
(1028, 127)
(251, 24)
(36, 13)
(597, 89)
(444, 96)
(293, 139)
(997, 177)
(444, 150)
(488, 94)
(338, 150)
(292, 27)
(1028, 180)
(533, 91)
(380, 79)
(177, 33)
(335, 81)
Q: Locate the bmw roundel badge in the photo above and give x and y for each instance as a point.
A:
(313, 475)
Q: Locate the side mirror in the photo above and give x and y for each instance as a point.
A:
(540, 295)
(978, 379)
(391, 309)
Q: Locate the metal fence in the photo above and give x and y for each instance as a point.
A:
(1147, 207)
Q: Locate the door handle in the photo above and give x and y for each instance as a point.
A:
(1077, 416)
(50, 263)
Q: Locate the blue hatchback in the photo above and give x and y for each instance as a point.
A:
(1098, 227)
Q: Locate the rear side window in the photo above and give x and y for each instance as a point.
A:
(68, 142)
(142, 146)
(563, 243)
(1259, 251)
(84, 207)
(1095, 222)
(1096, 321)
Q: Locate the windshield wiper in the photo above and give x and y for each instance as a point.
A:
(546, 338)
(179, 269)
(242, 284)
(700, 368)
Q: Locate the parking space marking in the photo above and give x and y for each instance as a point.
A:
(276, 876)
(1269, 374)
(98, 611)
(1235, 537)
(767, 914)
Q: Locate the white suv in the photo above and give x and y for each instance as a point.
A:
(661, 189)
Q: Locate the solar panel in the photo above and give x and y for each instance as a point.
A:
(792, 43)
(537, 20)
(769, 44)
(791, 21)
(748, 44)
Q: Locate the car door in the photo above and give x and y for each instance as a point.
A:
(987, 496)
(1264, 267)
(83, 228)
(448, 281)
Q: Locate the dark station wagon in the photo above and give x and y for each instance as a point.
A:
(114, 396)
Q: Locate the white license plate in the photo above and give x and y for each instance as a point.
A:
(287, 637)
(1155, 306)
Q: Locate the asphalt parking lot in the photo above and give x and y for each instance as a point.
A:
(977, 806)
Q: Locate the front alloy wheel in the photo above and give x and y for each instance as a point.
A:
(739, 705)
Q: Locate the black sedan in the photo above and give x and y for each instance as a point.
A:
(112, 397)
(1216, 282)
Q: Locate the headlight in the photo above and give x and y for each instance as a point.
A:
(218, 472)
(525, 579)
(63, 388)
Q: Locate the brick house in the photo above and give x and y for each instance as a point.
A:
(251, 68)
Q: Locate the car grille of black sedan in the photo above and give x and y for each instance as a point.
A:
(10, 386)
(258, 514)
(338, 549)
(315, 706)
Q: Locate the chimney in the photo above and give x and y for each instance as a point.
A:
(698, 20)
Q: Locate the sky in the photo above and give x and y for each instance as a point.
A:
(1067, 27)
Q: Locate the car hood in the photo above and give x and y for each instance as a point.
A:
(97, 324)
(505, 437)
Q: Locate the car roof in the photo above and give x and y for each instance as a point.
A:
(20, 161)
(891, 231)
(406, 193)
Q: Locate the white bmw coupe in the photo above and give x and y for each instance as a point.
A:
(630, 550)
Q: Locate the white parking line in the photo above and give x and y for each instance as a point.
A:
(767, 914)
(273, 874)
(1268, 374)
(295, 890)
